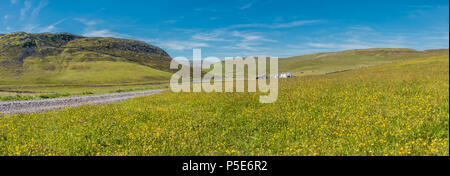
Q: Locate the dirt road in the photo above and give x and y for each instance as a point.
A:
(32, 106)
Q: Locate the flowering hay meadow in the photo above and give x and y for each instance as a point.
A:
(396, 109)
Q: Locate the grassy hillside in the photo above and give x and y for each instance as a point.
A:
(66, 59)
(323, 63)
(394, 109)
(83, 73)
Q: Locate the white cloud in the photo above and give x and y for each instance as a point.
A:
(30, 27)
(294, 24)
(25, 9)
(246, 6)
(341, 46)
(246, 46)
(443, 37)
(104, 33)
(249, 41)
(321, 45)
(6, 17)
(361, 28)
(99, 33)
(13, 1)
(87, 22)
(250, 37)
(52, 27)
(170, 21)
(49, 28)
(360, 37)
(28, 6)
(213, 36)
(246, 37)
(182, 45)
(229, 39)
(276, 25)
(38, 9)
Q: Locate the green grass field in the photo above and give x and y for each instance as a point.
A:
(395, 109)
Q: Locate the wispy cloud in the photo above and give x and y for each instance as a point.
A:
(246, 6)
(244, 46)
(13, 1)
(87, 22)
(230, 39)
(52, 27)
(38, 9)
(248, 41)
(30, 27)
(91, 29)
(277, 25)
(170, 21)
(361, 28)
(104, 33)
(213, 36)
(443, 37)
(247, 37)
(359, 37)
(28, 18)
(237, 38)
(25, 9)
(182, 45)
(294, 24)
(28, 5)
(338, 46)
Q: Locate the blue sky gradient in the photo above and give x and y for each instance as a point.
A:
(279, 28)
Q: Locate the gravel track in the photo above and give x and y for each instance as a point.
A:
(33, 106)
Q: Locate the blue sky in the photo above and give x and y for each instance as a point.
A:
(279, 28)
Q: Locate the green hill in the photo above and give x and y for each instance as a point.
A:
(322, 63)
(68, 59)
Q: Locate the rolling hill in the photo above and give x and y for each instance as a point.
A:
(67, 59)
(323, 63)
